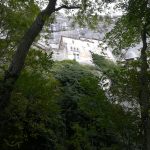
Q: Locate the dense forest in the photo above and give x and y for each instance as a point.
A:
(60, 105)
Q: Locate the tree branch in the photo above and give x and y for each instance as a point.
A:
(148, 34)
(67, 7)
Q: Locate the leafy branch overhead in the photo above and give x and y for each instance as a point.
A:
(128, 28)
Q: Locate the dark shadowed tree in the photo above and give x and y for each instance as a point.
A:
(131, 29)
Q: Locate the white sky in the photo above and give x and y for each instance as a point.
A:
(112, 10)
(109, 10)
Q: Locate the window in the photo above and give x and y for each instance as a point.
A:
(74, 56)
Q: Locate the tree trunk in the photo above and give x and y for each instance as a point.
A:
(144, 94)
(20, 55)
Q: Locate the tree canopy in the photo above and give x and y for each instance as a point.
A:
(50, 105)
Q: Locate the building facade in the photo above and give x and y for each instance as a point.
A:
(80, 50)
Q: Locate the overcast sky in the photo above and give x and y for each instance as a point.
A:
(109, 10)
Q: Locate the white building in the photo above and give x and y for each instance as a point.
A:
(80, 50)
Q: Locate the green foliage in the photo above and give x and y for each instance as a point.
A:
(39, 61)
(91, 121)
(16, 16)
(32, 119)
(33, 115)
(128, 28)
(106, 66)
(63, 108)
(125, 92)
(123, 35)
(59, 106)
(124, 78)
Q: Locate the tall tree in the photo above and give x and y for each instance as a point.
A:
(132, 28)
(87, 7)
(17, 63)
(14, 21)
